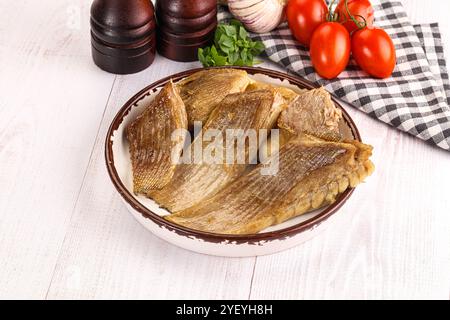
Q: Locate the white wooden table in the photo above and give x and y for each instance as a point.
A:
(64, 232)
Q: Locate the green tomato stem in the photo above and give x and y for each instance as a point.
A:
(359, 24)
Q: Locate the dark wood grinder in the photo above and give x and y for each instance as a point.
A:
(184, 26)
(123, 35)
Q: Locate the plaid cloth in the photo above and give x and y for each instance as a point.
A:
(415, 99)
(430, 39)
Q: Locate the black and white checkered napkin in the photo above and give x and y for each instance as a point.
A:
(415, 99)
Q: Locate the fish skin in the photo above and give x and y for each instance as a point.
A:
(288, 95)
(203, 90)
(150, 140)
(192, 183)
(321, 187)
(254, 202)
(313, 112)
(309, 112)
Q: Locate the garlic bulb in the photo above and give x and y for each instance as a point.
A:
(258, 16)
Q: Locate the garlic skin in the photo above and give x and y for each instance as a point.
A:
(258, 16)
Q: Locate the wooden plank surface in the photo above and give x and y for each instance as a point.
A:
(64, 232)
(51, 103)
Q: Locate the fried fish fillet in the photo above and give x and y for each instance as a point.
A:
(311, 173)
(193, 182)
(288, 95)
(151, 143)
(312, 112)
(203, 90)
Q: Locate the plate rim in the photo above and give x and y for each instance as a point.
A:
(257, 238)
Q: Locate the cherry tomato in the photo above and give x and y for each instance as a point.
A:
(374, 52)
(330, 49)
(304, 16)
(357, 8)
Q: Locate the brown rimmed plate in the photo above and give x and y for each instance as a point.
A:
(262, 243)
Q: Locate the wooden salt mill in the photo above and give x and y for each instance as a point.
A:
(184, 26)
(123, 36)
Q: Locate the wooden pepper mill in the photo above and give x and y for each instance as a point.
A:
(123, 36)
(184, 26)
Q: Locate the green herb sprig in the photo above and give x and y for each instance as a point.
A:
(232, 47)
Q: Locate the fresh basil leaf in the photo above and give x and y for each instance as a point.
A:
(236, 23)
(250, 57)
(230, 31)
(226, 44)
(217, 36)
(201, 56)
(214, 52)
(219, 60)
(259, 47)
(221, 44)
(232, 46)
(243, 33)
(232, 58)
(244, 54)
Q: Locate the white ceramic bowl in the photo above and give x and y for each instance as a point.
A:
(148, 213)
